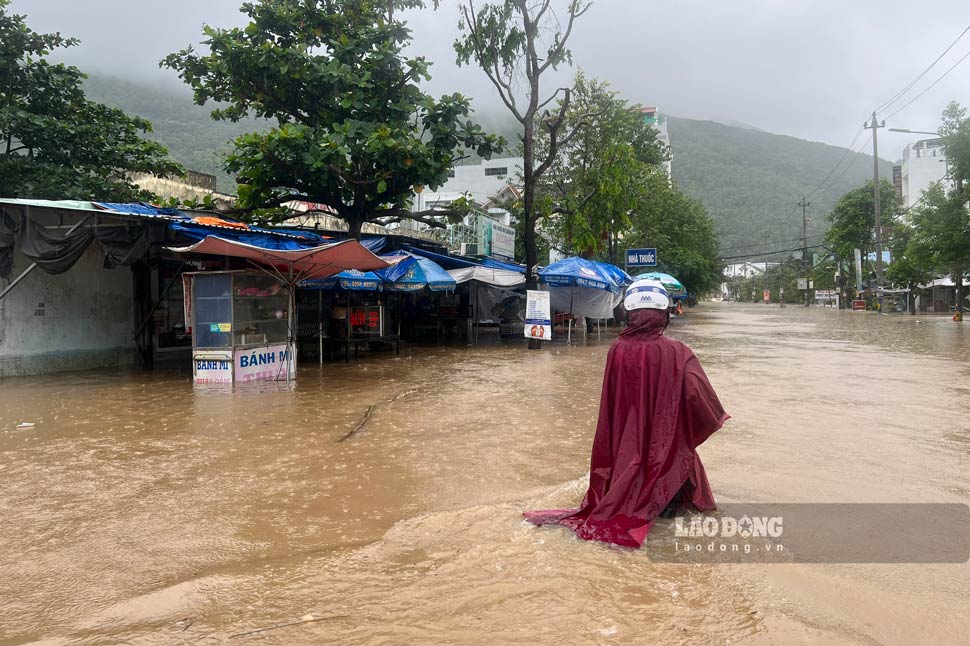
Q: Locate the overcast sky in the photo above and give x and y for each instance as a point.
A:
(813, 69)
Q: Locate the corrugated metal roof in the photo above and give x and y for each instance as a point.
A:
(137, 211)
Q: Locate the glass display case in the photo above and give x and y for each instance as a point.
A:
(240, 325)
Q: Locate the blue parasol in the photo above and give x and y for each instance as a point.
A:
(413, 273)
(580, 272)
(350, 279)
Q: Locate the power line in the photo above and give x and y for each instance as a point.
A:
(916, 80)
(763, 244)
(838, 163)
(929, 87)
(771, 253)
(852, 163)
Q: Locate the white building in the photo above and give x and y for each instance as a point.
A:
(747, 269)
(485, 185)
(924, 162)
(480, 182)
(653, 117)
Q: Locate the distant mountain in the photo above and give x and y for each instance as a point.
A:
(749, 180)
(738, 124)
(192, 137)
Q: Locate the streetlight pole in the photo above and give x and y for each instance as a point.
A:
(874, 126)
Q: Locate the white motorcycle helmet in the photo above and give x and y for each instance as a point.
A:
(646, 294)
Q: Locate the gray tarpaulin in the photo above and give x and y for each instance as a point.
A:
(53, 253)
(584, 301)
(123, 247)
(496, 304)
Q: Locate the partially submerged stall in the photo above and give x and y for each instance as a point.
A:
(427, 301)
(352, 309)
(584, 288)
(240, 330)
(496, 298)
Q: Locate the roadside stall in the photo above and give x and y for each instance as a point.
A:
(354, 310)
(893, 301)
(420, 278)
(243, 321)
(493, 298)
(583, 288)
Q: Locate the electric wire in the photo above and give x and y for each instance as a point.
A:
(916, 80)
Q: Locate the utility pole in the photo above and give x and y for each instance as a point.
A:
(874, 126)
(805, 260)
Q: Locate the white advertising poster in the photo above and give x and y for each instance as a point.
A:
(503, 241)
(212, 367)
(267, 362)
(538, 315)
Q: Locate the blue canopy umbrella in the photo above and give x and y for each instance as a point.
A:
(583, 287)
(580, 272)
(673, 286)
(413, 273)
(350, 279)
(619, 276)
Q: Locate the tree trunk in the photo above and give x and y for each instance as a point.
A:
(354, 226)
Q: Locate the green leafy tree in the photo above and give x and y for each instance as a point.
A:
(941, 235)
(681, 230)
(595, 180)
(516, 43)
(54, 142)
(353, 128)
(853, 219)
(911, 264)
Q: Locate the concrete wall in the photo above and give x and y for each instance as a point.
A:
(77, 320)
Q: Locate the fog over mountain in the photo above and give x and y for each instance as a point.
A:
(813, 69)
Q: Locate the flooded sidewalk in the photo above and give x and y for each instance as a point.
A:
(380, 502)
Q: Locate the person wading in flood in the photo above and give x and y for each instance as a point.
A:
(657, 407)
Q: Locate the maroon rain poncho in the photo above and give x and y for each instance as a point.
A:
(657, 407)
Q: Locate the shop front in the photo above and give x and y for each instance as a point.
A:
(240, 322)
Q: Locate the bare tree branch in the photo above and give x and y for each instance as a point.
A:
(494, 74)
(560, 45)
(429, 217)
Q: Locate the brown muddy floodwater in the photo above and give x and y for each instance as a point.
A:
(141, 510)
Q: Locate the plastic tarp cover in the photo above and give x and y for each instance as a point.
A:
(447, 262)
(141, 208)
(121, 246)
(499, 264)
(489, 276)
(53, 253)
(198, 232)
(315, 262)
(494, 304)
(584, 301)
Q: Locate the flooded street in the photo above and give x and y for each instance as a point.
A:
(380, 502)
